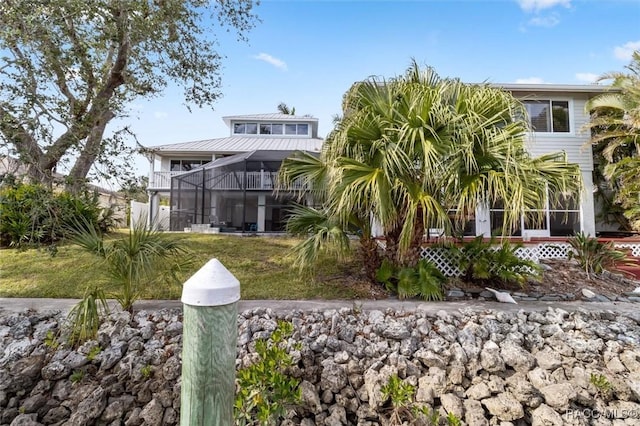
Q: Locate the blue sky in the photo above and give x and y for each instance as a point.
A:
(308, 53)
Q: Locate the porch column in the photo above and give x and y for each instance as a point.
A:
(483, 221)
(153, 218)
(152, 170)
(587, 211)
(262, 212)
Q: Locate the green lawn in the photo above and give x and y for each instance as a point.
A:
(261, 264)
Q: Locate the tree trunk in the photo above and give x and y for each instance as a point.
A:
(88, 156)
(370, 257)
(414, 253)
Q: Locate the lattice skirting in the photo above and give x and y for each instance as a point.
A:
(443, 259)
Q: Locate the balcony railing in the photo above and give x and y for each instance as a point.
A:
(264, 181)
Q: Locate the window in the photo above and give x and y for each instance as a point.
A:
(245, 128)
(303, 129)
(556, 221)
(186, 165)
(265, 129)
(290, 129)
(238, 128)
(547, 116)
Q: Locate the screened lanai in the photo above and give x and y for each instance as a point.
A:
(234, 194)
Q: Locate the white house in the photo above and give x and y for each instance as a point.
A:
(228, 182)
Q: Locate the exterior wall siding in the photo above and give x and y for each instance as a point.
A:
(575, 143)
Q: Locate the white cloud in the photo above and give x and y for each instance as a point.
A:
(278, 63)
(530, 80)
(544, 21)
(587, 77)
(625, 51)
(537, 5)
(160, 114)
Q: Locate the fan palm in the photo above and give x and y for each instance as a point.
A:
(135, 262)
(411, 149)
(615, 130)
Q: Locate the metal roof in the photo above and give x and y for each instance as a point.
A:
(546, 88)
(236, 144)
(269, 117)
(249, 156)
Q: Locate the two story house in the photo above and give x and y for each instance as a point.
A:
(227, 183)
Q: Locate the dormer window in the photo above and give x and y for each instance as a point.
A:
(548, 116)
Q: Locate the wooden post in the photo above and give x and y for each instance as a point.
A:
(210, 334)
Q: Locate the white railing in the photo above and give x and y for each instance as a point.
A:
(162, 180)
(223, 181)
(446, 262)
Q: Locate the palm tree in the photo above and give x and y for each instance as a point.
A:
(283, 108)
(615, 130)
(410, 150)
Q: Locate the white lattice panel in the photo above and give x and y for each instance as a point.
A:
(553, 250)
(443, 259)
(635, 248)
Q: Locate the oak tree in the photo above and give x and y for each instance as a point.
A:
(69, 67)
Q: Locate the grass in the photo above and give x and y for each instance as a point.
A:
(262, 265)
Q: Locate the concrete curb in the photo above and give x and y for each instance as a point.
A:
(12, 305)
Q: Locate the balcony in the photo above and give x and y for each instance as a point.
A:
(223, 181)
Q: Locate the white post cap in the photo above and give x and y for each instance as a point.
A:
(212, 285)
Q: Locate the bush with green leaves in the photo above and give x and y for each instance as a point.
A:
(424, 280)
(486, 262)
(33, 215)
(264, 389)
(594, 256)
(400, 405)
(84, 319)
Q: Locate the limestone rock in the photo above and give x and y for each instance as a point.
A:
(152, 413)
(490, 358)
(545, 416)
(474, 413)
(504, 406)
(558, 395)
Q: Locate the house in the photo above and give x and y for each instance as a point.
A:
(227, 184)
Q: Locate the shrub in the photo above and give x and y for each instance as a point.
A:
(33, 215)
(401, 407)
(264, 390)
(424, 280)
(594, 256)
(85, 317)
(481, 262)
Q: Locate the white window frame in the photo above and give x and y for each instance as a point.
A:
(550, 99)
(270, 124)
(545, 229)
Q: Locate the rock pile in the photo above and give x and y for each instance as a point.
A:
(491, 368)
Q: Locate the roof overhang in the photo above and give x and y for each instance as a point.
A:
(551, 88)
